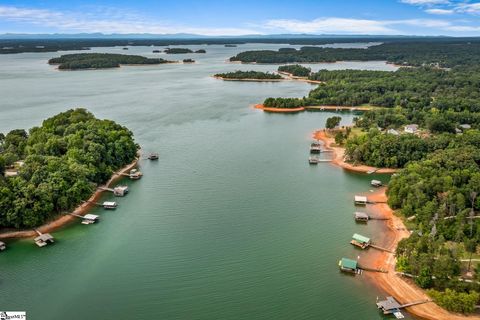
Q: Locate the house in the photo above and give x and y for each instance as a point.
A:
(411, 128)
(393, 131)
(465, 126)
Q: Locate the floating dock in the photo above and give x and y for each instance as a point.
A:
(361, 217)
(360, 241)
(363, 242)
(90, 219)
(349, 266)
(392, 306)
(360, 200)
(315, 149)
(313, 160)
(43, 239)
(109, 205)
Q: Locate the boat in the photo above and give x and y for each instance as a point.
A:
(376, 183)
(153, 156)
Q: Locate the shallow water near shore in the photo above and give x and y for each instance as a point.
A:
(230, 223)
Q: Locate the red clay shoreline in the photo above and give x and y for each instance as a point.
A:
(403, 289)
(64, 219)
(312, 108)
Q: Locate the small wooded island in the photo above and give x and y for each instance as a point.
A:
(295, 70)
(182, 50)
(79, 61)
(58, 165)
(249, 76)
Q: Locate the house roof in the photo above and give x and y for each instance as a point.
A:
(44, 237)
(389, 304)
(361, 198)
(348, 263)
(361, 215)
(360, 238)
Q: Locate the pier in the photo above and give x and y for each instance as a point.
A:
(392, 306)
(363, 242)
(119, 191)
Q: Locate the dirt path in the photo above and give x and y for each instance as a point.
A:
(66, 218)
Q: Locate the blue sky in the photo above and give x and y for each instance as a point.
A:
(408, 17)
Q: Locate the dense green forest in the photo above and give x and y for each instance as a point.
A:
(64, 160)
(422, 88)
(249, 75)
(296, 70)
(100, 61)
(413, 53)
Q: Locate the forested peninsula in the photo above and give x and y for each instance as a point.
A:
(81, 61)
(425, 121)
(248, 75)
(52, 168)
(411, 53)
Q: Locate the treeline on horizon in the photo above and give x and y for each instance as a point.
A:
(64, 160)
(8, 46)
(79, 61)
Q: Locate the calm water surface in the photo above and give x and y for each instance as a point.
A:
(230, 223)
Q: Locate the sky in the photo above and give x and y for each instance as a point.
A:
(243, 17)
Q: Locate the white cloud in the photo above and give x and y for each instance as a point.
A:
(471, 8)
(425, 2)
(440, 11)
(331, 25)
(106, 21)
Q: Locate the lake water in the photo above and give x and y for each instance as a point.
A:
(230, 223)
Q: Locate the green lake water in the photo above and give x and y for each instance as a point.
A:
(230, 223)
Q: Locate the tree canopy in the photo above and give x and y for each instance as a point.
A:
(64, 160)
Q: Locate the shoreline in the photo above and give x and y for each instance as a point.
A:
(339, 155)
(64, 219)
(401, 288)
(251, 79)
(278, 110)
(311, 108)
